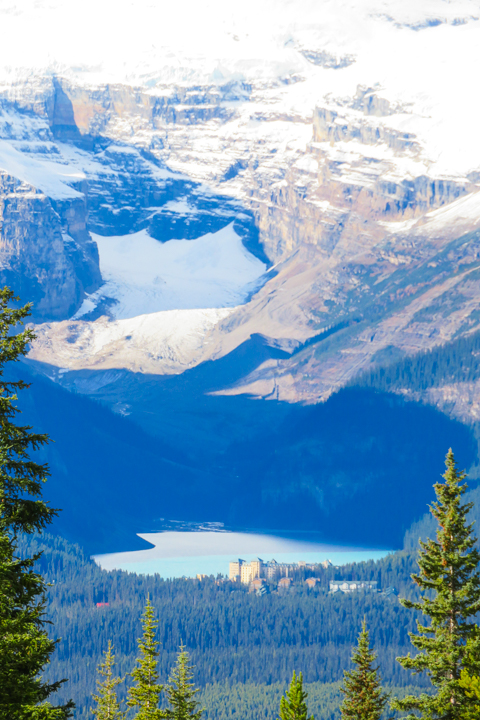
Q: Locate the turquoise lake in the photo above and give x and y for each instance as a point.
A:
(177, 554)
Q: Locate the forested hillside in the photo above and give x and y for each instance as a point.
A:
(245, 647)
(225, 701)
(456, 361)
(234, 637)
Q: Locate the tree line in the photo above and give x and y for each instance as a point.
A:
(455, 361)
(447, 638)
(233, 636)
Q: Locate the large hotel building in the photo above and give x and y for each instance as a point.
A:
(245, 572)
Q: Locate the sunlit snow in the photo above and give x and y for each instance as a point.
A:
(421, 55)
(52, 178)
(143, 275)
(160, 342)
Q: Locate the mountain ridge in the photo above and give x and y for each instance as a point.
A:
(251, 218)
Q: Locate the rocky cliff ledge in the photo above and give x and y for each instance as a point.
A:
(46, 253)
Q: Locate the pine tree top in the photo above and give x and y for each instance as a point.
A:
(449, 582)
(364, 698)
(293, 705)
(108, 707)
(21, 506)
(181, 690)
(145, 692)
(448, 565)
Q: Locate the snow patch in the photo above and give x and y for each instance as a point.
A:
(145, 276)
(162, 342)
(399, 226)
(462, 213)
(50, 177)
(180, 206)
(395, 47)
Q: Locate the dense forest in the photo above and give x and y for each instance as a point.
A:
(244, 646)
(236, 639)
(224, 701)
(454, 362)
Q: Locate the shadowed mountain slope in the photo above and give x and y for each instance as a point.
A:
(358, 468)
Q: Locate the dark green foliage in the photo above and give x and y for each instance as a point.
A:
(427, 525)
(144, 695)
(456, 361)
(25, 647)
(449, 581)
(231, 634)
(259, 701)
(251, 700)
(364, 698)
(22, 508)
(107, 705)
(181, 692)
(293, 705)
(471, 686)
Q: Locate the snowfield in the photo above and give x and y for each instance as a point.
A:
(166, 299)
(51, 178)
(267, 103)
(421, 56)
(143, 275)
(165, 342)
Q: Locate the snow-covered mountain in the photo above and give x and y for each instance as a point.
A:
(179, 178)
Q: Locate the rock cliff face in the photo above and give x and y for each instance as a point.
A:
(46, 253)
(364, 240)
(340, 149)
(83, 114)
(69, 153)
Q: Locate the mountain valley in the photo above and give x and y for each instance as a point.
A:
(223, 234)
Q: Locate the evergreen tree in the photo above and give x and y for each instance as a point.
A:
(471, 685)
(25, 648)
(181, 691)
(145, 693)
(293, 705)
(363, 695)
(108, 707)
(449, 581)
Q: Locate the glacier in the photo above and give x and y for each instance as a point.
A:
(339, 139)
(224, 214)
(144, 276)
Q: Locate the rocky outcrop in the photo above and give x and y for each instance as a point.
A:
(46, 253)
(319, 211)
(81, 114)
(327, 60)
(79, 246)
(136, 192)
(124, 189)
(130, 194)
(352, 235)
(330, 126)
